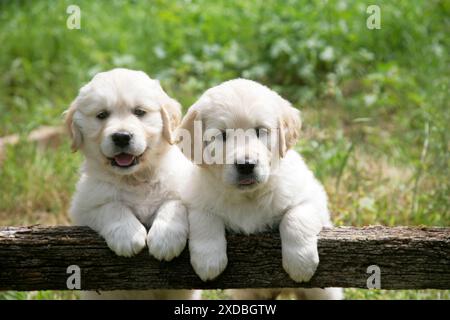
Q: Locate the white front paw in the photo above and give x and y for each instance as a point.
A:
(210, 264)
(126, 239)
(301, 262)
(166, 242)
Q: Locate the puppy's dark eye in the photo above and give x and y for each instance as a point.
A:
(260, 131)
(102, 115)
(138, 112)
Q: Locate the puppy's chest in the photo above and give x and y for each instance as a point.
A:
(145, 202)
(250, 216)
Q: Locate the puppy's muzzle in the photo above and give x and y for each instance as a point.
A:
(124, 157)
(246, 173)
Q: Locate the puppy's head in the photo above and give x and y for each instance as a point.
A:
(238, 131)
(121, 119)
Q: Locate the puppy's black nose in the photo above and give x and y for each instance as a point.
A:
(245, 168)
(121, 139)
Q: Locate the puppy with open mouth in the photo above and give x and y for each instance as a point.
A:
(255, 182)
(129, 187)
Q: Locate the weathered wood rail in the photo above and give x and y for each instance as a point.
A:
(37, 258)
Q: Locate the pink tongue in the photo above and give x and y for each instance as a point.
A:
(124, 159)
(246, 181)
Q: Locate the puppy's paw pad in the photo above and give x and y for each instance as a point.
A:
(166, 243)
(301, 264)
(209, 266)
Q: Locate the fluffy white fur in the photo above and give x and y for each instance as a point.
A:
(122, 203)
(286, 193)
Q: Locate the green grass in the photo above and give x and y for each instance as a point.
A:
(374, 102)
(37, 184)
(38, 295)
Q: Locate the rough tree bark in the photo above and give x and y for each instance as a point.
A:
(37, 258)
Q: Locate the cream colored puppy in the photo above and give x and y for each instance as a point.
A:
(122, 122)
(258, 185)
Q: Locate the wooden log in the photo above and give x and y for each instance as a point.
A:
(37, 258)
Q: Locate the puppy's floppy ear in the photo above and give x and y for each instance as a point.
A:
(186, 135)
(171, 116)
(289, 125)
(72, 127)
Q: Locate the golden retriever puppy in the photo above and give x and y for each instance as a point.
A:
(248, 179)
(122, 122)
